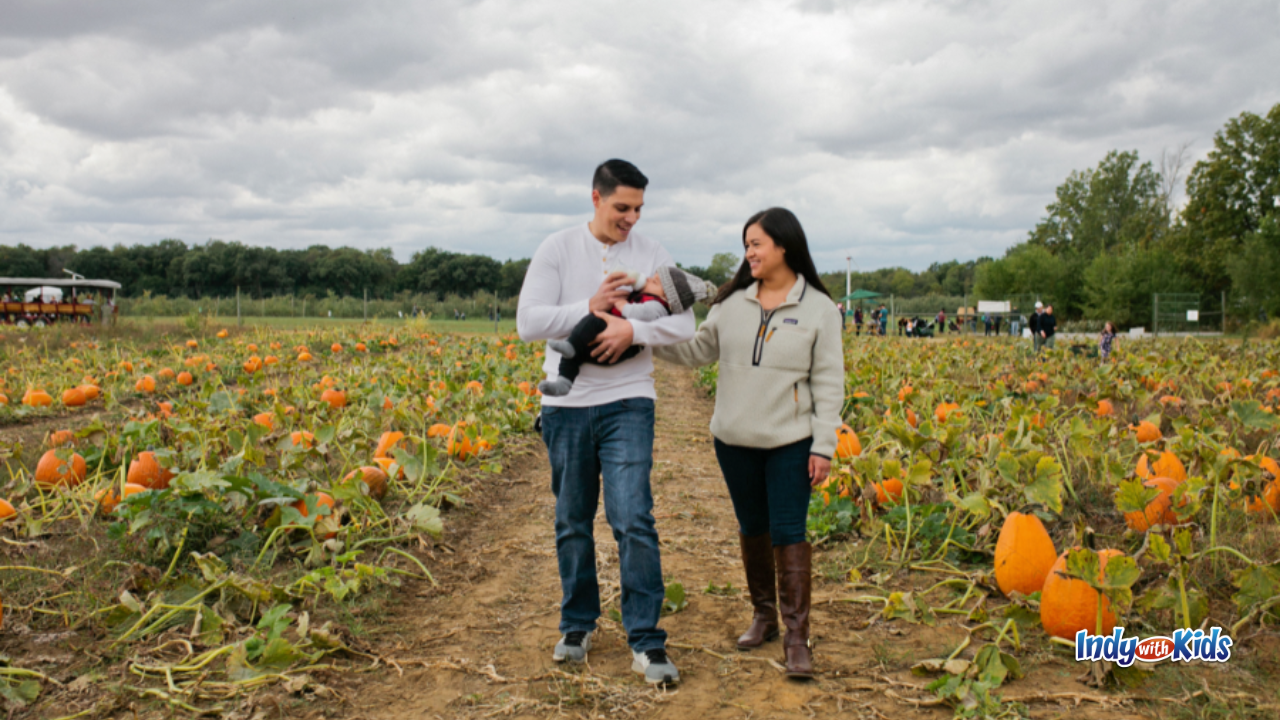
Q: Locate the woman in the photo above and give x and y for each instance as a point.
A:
(776, 333)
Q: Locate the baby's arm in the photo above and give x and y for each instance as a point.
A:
(645, 312)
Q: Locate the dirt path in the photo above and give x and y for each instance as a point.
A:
(482, 647)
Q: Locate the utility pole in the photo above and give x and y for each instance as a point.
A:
(848, 275)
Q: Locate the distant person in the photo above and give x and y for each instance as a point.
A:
(986, 325)
(995, 325)
(884, 320)
(1048, 324)
(1106, 339)
(941, 320)
(1037, 340)
(840, 309)
(857, 321)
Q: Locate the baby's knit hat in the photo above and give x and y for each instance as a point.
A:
(683, 289)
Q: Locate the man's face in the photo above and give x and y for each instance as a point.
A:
(616, 214)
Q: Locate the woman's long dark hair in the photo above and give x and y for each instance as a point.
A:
(783, 227)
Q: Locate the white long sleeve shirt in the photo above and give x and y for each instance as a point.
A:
(566, 271)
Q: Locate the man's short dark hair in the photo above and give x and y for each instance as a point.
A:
(613, 173)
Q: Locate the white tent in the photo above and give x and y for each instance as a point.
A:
(43, 292)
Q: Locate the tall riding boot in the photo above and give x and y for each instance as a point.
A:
(794, 585)
(757, 559)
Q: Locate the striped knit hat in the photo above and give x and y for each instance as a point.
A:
(682, 289)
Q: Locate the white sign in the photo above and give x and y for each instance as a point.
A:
(990, 306)
(1193, 316)
(1137, 332)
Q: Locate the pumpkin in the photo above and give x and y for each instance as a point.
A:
(1024, 554)
(1105, 409)
(59, 438)
(167, 373)
(193, 344)
(145, 384)
(944, 410)
(304, 357)
(270, 360)
(888, 491)
(361, 347)
(1269, 502)
(335, 348)
(1167, 466)
(146, 471)
(73, 397)
(321, 500)
(906, 392)
(1146, 432)
(6, 510)
(1068, 605)
(91, 391)
(266, 420)
(1159, 511)
(37, 398)
(302, 438)
(110, 497)
(847, 443)
(335, 398)
(185, 378)
(253, 364)
(387, 443)
(438, 430)
(53, 471)
(374, 477)
(222, 334)
(4, 399)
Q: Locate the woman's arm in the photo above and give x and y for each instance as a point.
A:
(826, 382)
(703, 349)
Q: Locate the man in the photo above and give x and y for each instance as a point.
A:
(1037, 340)
(1048, 325)
(604, 425)
(840, 309)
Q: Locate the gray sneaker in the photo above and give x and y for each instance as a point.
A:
(656, 667)
(573, 647)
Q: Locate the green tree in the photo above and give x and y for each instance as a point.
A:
(1116, 206)
(1119, 286)
(1229, 193)
(1026, 270)
(1253, 271)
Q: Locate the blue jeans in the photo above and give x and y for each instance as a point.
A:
(614, 441)
(769, 488)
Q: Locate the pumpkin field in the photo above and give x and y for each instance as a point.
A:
(355, 521)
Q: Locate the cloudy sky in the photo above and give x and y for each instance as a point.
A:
(902, 132)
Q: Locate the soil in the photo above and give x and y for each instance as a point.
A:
(480, 644)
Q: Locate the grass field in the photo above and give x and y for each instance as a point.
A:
(466, 327)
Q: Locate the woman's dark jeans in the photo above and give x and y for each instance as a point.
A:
(770, 489)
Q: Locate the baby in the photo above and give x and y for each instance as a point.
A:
(670, 291)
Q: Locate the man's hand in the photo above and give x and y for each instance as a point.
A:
(819, 469)
(613, 340)
(608, 294)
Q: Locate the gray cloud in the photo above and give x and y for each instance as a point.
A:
(903, 133)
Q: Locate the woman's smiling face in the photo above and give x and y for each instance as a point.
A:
(763, 255)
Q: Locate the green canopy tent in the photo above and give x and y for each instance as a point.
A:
(860, 295)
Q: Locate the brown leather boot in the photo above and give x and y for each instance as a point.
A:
(757, 559)
(794, 585)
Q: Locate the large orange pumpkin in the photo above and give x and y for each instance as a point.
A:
(146, 471)
(302, 438)
(322, 500)
(888, 491)
(1105, 409)
(6, 510)
(847, 444)
(53, 471)
(145, 384)
(1068, 605)
(91, 391)
(37, 398)
(1024, 554)
(335, 398)
(185, 378)
(266, 420)
(1167, 466)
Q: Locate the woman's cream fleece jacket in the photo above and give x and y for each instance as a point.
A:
(781, 372)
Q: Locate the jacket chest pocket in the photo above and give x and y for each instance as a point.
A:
(788, 348)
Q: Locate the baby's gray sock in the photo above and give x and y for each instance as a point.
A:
(564, 347)
(556, 388)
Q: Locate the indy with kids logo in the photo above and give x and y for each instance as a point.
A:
(1185, 645)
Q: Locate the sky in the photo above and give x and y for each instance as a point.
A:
(900, 133)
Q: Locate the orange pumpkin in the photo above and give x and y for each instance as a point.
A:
(1105, 409)
(1167, 466)
(321, 500)
(1159, 511)
(146, 471)
(145, 384)
(302, 438)
(185, 378)
(304, 357)
(1269, 502)
(335, 348)
(37, 398)
(6, 510)
(374, 477)
(944, 410)
(1024, 554)
(387, 443)
(167, 373)
(1146, 432)
(73, 397)
(336, 398)
(1068, 605)
(109, 498)
(438, 430)
(906, 392)
(91, 391)
(266, 420)
(847, 444)
(53, 471)
(888, 491)
(59, 438)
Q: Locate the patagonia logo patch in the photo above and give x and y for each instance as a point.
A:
(791, 321)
